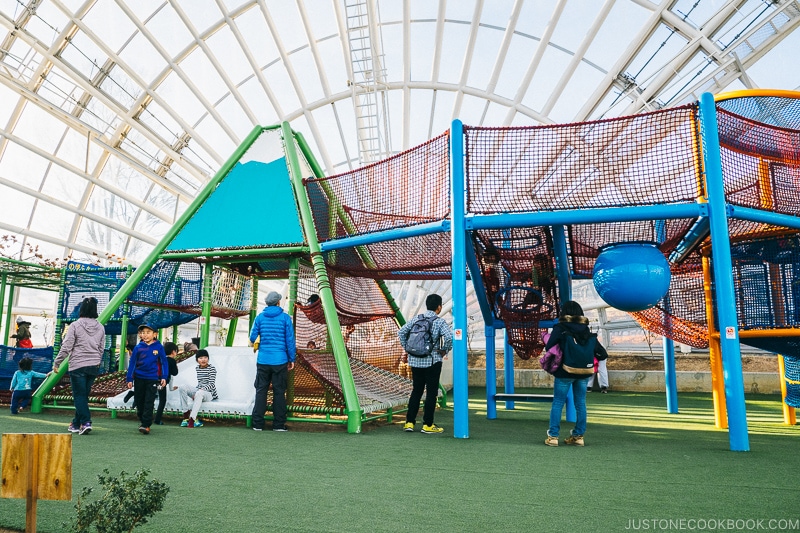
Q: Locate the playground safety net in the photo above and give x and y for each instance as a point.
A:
(407, 189)
(370, 334)
(648, 159)
(170, 294)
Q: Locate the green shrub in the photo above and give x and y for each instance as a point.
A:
(127, 502)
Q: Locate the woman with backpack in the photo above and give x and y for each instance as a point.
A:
(580, 347)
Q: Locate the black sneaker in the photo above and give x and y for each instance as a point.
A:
(282, 428)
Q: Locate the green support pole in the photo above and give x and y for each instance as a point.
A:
(52, 379)
(126, 313)
(9, 307)
(112, 348)
(3, 281)
(208, 278)
(59, 313)
(139, 274)
(352, 406)
(294, 275)
(253, 304)
(175, 333)
(348, 224)
(231, 331)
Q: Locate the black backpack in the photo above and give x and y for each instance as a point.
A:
(578, 358)
(420, 338)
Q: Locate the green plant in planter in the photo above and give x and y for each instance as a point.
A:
(127, 502)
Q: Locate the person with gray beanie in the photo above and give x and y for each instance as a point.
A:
(276, 355)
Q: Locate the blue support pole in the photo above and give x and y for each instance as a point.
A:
(584, 216)
(572, 415)
(508, 369)
(563, 272)
(670, 376)
(386, 235)
(723, 266)
(670, 380)
(764, 217)
(477, 284)
(458, 235)
(491, 373)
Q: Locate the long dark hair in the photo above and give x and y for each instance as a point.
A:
(88, 308)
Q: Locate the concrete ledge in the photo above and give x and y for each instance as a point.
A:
(636, 381)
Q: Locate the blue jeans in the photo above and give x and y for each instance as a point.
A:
(20, 400)
(81, 380)
(560, 389)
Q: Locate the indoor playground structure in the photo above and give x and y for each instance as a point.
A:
(686, 217)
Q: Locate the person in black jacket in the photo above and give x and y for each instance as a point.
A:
(171, 350)
(571, 324)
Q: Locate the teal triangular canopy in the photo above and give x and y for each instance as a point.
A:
(253, 207)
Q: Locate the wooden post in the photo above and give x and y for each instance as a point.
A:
(36, 466)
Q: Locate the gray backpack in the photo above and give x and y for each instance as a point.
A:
(420, 339)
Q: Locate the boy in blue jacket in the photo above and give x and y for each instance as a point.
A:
(147, 371)
(276, 353)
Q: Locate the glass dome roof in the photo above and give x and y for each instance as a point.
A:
(114, 113)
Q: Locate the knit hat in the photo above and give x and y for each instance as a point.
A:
(21, 320)
(273, 298)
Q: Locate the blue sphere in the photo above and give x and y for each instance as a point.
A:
(631, 276)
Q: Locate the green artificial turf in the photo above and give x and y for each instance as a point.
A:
(639, 464)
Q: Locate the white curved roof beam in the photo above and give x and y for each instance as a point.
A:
(173, 65)
(81, 127)
(212, 58)
(80, 172)
(283, 54)
(502, 52)
(534, 65)
(46, 238)
(465, 66)
(624, 60)
(79, 81)
(344, 45)
(163, 144)
(80, 212)
(734, 67)
(440, 86)
(578, 56)
(698, 41)
(407, 75)
(437, 59)
(319, 138)
(259, 73)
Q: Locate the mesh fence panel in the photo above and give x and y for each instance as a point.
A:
(370, 334)
(681, 314)
(792, 378)
(518, 273)
(644, 159)
(767, 282)
(410, 188)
